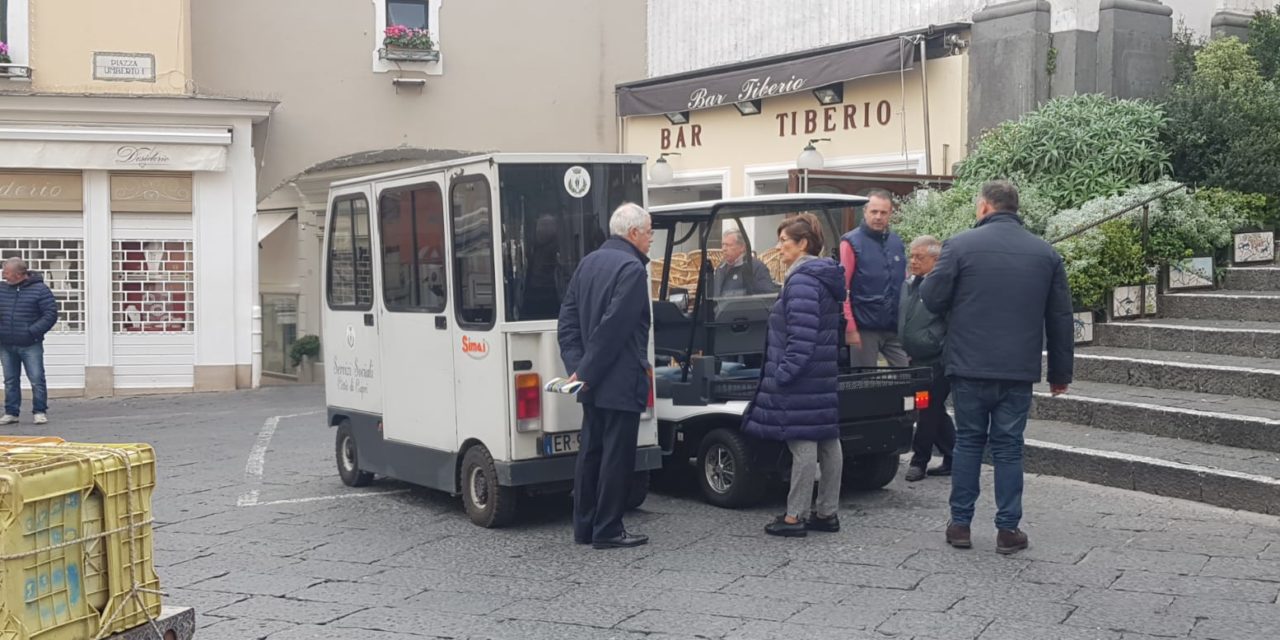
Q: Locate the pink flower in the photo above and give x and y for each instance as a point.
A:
(4, 49)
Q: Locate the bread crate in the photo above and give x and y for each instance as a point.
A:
(76, 549)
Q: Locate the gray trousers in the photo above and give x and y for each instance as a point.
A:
(876, 343)
(806, 456)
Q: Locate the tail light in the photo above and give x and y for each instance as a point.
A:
(922, 400)
(528, 402)
(648, 412)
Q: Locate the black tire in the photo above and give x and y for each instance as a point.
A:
(488, 503)
(725, 471)
(347, 455)
(637, 490)
(867, 473)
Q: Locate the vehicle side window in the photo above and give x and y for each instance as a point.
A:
(411, 228)
(471, 213)
(350, 273)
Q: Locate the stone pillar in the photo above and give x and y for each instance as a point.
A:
(1008, 61)
(1231, 23)
(99, 376)
(1134, 38)
(1074, 67)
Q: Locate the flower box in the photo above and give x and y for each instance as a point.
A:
(401, 54)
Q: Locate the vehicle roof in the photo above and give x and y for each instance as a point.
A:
(499, 158)
(752, 206)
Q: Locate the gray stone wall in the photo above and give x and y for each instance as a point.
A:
(1008, 62)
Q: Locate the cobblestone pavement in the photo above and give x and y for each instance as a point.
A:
(306, 557)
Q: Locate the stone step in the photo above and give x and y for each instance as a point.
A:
(1206, 373)
(1247, 423)
(1264, 278)
(1224, 337)
(1222, 476)
(1225, 304)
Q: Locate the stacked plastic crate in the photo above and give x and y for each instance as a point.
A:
(76, 548)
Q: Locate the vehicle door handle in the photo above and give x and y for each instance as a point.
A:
(442, 322)
(368, 319)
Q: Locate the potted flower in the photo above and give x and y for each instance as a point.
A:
(404, 43)
(4, 54)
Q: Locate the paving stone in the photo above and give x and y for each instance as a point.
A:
(1085, 576)
(1142, 560)
(456, 602)
(1003, 629)
(966, 562)
(441, 581)
(939, 626)
(791, 590)
(287, 610)
(957, 586)
(359, 593)
(1012, 608)
(244, 629)
(330, 570)
(757, 608)
(761, 630)
(415, 622)
(1212, 609)
(1243, 568)
(742, 564)
(1220, 629)
(1200, 586)
(842, 616)
(315, 632)
(697, 624)
(860, 575)
(215, 566)
(1238, 546)
(538, 630)
(256, 584)
(567, 612)
(202, 601)
(1126, 611)
(690, 580)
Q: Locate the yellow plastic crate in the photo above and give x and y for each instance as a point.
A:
(76, 548)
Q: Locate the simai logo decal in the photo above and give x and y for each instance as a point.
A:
(477, 349)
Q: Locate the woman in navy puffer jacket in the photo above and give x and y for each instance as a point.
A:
(796, 401)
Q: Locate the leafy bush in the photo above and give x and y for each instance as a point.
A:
(1101, 260)
(1264, 41)
(1074, 148)
(1251, 209)
(1222, 123)
(308, 345)
(945, 213)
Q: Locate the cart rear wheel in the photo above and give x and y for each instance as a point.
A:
(348, 457)
(488, 503)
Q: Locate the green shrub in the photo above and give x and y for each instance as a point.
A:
(1074, 149)
(1101, 260)
(307, 345)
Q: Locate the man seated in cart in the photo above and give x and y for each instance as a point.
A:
(740, 273)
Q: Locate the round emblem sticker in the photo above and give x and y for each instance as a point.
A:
(577, 181)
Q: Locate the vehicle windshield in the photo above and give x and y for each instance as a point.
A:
(546, 229)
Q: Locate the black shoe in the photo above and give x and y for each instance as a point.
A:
(826, 525)
(622, 541)
(780, 527)
(914, 474)
(943, 469)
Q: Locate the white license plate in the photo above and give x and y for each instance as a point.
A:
(554, 444)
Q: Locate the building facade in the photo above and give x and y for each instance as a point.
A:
(540, 79)
(133, 195)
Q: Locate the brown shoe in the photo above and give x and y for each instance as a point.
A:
(1010, 541)
(958, 536)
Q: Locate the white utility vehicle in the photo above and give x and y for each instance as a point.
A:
(442, 288)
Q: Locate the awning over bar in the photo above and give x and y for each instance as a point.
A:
(771, 77)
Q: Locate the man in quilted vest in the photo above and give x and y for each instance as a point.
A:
(875, 266)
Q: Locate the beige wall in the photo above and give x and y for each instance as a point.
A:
(66, 33)
(740, 144)
(517, 76)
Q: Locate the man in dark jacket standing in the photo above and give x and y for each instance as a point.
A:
(27, 312)
(1004, 292)
(875, 267)
(923, 334)
(604, 342)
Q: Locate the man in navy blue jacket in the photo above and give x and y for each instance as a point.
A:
(604, 342)
(27, 312)
(1004, 292)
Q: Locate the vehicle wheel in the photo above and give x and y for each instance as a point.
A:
(637, 490)
(870, 472)
(348, 457)
(488, 503)
(725, 472)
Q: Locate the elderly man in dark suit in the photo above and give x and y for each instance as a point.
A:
(739, 273)
(604, 342)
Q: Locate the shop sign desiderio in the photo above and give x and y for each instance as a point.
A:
(41, 192)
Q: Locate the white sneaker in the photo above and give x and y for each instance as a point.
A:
(8, 419)
(40, 418)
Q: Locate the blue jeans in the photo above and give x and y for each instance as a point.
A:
(989, 412)
(15, 359)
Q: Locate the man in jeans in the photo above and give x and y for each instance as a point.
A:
(1004, 292)
(27, 312)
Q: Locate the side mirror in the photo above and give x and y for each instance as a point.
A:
(679, 299)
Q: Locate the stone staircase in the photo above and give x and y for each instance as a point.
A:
(1186, 405)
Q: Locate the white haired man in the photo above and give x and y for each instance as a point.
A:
(740, 274)
(604, 342)
(923, 334)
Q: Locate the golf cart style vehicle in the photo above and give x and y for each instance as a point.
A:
(443, 285)
(710, 340)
